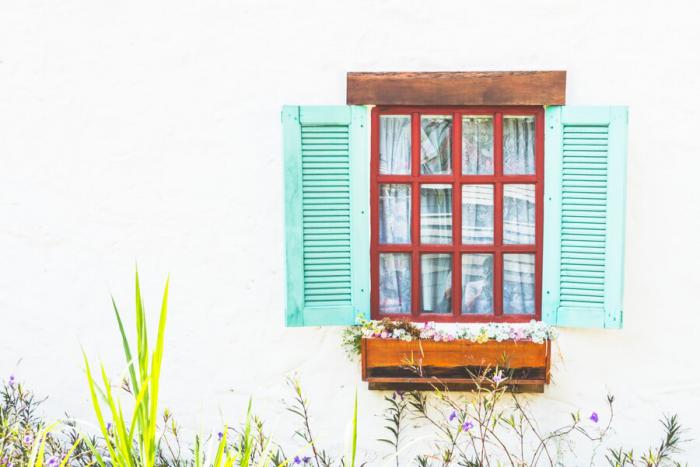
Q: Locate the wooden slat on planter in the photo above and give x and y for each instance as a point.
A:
(457, 88)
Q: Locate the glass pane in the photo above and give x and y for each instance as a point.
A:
(477, 214)
(395, 144)
(519, 283)
(436, 214)
(477, 283)
(436, 144)
(519, 214)
(477, 145)
(519, 145)
(395, 283)
(436, 283)
(394, 213)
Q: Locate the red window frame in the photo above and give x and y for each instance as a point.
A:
(456, 179)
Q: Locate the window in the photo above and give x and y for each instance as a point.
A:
(457, 213)
(430, 197)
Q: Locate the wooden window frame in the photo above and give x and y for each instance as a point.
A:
(456, 179)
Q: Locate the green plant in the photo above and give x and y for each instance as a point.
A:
(26, 439)
(133, 438)
(662, 455)
(395, 417)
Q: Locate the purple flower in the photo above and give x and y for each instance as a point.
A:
(53, 461)
(397, 393)
(453, 415)
(109, 426)
(594, 417)
(297, 460)
(11, 381)
(3, 461)
(28, 438)
(306, 459)
(466, 426)
(498, 377)
(219, 435)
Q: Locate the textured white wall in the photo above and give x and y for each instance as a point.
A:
(149, 132)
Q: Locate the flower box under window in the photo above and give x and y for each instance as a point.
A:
(424, 364)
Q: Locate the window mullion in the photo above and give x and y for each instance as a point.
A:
(498, 267)
(415, 215)
(456, 214)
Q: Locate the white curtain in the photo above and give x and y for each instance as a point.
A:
(519, 214)
(519, 145)
(394, 214)
(436, 145)
(436, 214)
(395, 283)
(436, 283)
(477, 145)
(477, 214)
(477, 283)
(395, 144)
(519, 283)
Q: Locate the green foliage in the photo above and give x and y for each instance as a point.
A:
(490, 426)
(27, 440)
(661, 456)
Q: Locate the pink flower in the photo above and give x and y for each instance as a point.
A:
(384, 335)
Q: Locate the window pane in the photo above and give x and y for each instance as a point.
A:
(519, 214)
(436, 214)
(436, 144)
(394, 213)
(477, 214)
(519, 145)
(395, 144)
(436, 283)
(519, 283)
(477, 145)
(395, 283)
(477, 283)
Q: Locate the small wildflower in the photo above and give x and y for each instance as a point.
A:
(306, 459)
(594, 417)
(466, 426)
(297, 460)
(453, 415)
(109, 427)
(498, 378)
(11, 381)
(53, 461)
(219, 435)
(28, 439)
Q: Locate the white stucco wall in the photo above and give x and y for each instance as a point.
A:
(149, 132)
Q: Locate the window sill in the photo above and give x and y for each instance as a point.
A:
(424, 364)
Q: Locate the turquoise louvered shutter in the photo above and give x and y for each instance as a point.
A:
(585, 160)
(326, 169)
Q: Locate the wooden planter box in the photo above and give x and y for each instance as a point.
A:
(425, 364)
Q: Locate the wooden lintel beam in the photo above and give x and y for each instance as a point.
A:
(457, 88)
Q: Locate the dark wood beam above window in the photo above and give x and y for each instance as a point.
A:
(457, 88)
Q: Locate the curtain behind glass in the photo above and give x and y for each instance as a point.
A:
(395, 144)
(519, 145)
(394, 214)
(519, 283)
(436, 283)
